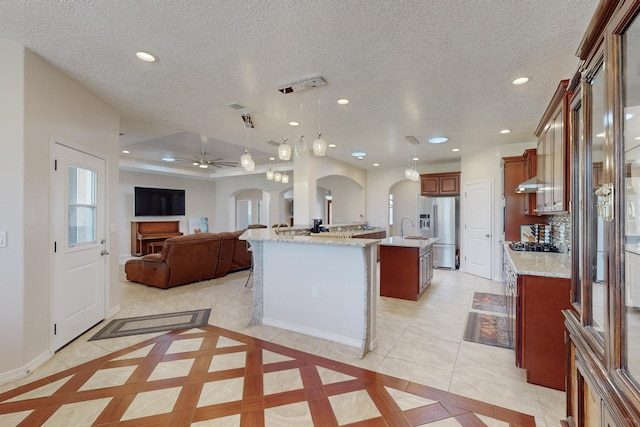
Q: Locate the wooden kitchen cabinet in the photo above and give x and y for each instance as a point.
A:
(552, 162)
(540, 346)
(518, 208)
(405, 272)
(440, 184)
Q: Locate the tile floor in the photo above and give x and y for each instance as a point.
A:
(420, 343)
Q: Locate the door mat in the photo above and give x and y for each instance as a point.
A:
(154, 323)
(489, 302)
(488, 329)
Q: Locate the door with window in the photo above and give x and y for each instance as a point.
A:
(80, 249)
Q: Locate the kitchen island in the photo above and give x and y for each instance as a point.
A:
(319, 286)
(406, 266)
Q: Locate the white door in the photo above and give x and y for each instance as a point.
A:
(79, 224)
(478, 218)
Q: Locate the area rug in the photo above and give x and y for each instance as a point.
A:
(489, 302)
(154, 323)
(488, 329)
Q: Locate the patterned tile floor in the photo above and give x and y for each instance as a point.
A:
(421, 374)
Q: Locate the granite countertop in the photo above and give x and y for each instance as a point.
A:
(269, 234)
(540, 263)
(409, 243)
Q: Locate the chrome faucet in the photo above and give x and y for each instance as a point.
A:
(278, 228)
(402, 225)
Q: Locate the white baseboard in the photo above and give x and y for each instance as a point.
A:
(341, 339)
(22, 372)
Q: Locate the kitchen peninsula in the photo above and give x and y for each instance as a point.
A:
(320, 286)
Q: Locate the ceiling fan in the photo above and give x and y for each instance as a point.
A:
(204, 162)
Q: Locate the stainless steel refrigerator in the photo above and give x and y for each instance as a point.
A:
(438, 218)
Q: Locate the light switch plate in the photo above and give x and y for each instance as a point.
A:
(3, 239)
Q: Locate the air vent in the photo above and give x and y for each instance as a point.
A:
(236, 106)
(412, 140)
(303, 85)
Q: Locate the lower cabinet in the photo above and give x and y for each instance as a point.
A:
(540, 346)
(405, 272)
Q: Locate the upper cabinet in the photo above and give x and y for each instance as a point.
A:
(440, 184)
(552, 133)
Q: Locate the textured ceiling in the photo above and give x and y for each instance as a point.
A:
(421, 68)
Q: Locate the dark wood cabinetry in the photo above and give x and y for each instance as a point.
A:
(440, 184)
(148, 236)
(553, 148)
(405, 272)
(540, 347)
(519, 207)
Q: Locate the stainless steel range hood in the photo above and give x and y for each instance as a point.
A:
(529, 186)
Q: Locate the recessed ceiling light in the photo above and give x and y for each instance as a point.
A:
(376, 164)
(168, 159)
(294, 123)
(455, 150)
(503, 131)
(331, 145)
(628, 116)
(195, 163)
(358, 154)
(438, 139)
(637, 138)
(146, 56)
(204, 166)
(600, 135)
(415, 158)
(360, 157)
(343, 101)
(126, 151)
(272, 158)
(520, 80)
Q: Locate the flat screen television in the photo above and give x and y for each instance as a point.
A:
(158, 201)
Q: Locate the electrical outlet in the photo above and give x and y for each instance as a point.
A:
(314, 292)
(3, 239)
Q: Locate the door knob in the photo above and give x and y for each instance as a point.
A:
(103, 253)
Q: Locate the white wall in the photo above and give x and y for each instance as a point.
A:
(348, 199)
(486, 165)
(199, 202)
(47, 105)
(12, 171)
(405, 196)
(379, 181)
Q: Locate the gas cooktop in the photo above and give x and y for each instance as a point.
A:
(533, 247)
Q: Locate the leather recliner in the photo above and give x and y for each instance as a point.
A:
(183, 259)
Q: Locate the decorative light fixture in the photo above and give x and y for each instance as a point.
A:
(245, 160)
(251, 165)
(301, 147)
(319, 144)
(328, 196)
(438, 140)
(284, 150)
(277, 176)
(270, 172)
(285, 178)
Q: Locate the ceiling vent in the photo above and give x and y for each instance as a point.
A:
(303, 85)
(412, 140)
(247, 121)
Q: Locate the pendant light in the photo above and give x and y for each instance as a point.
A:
(245, 159)
(301, 147)
(284, 150)
(319, 144)
(270, 172)
(277, 176)
(408, 172)
(285, 178)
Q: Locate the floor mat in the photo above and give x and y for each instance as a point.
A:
(488, 329)
(489, 302)
(153, 323)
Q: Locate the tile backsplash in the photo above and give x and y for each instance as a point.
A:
(561, 230)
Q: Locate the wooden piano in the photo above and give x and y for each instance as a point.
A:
(147, 237)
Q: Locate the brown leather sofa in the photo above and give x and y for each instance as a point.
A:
(191, 258)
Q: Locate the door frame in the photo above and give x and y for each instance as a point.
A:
(492, 216)
(52, 229)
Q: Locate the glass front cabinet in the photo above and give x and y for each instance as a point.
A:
(603, 326)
